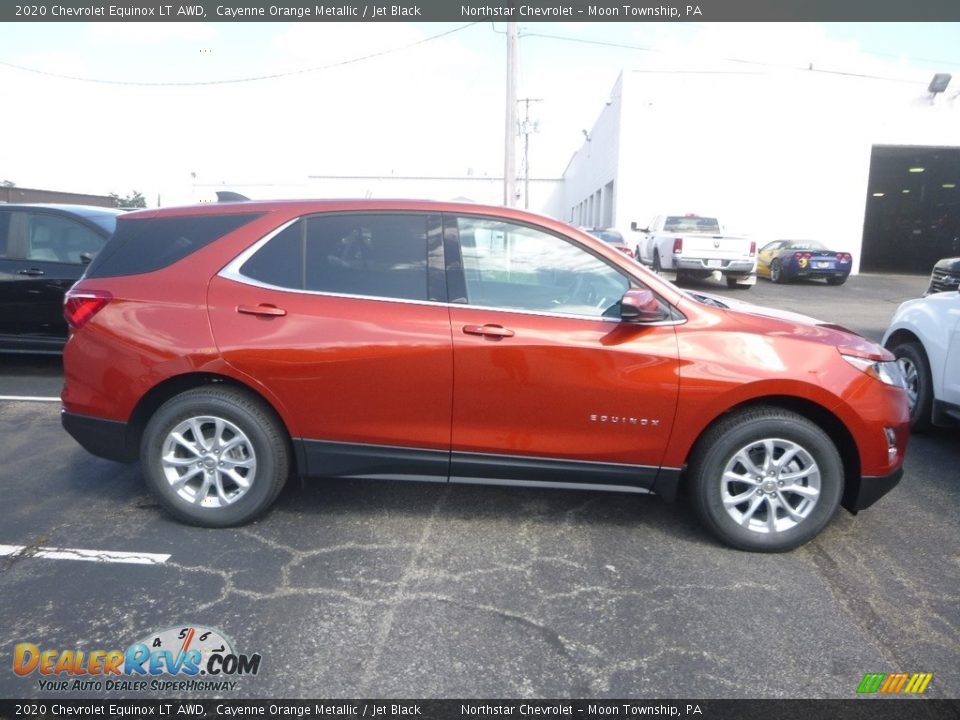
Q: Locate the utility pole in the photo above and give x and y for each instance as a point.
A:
(510, 123)
(526, 129)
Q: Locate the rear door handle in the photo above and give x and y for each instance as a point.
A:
(264, 309)
(490, 331)
(32, 272)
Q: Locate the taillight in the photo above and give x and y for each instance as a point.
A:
(79, 307)
(802, 258)
(753, 248)
(844, 257)
(677, 246)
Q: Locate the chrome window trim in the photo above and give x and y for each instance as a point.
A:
(231, 271)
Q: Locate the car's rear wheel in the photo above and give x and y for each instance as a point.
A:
(766, 480)
(915, 367)
(776, 272)
(215, 456)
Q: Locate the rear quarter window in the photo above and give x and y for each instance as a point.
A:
(144, 245)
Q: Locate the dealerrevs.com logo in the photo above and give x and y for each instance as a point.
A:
(197, 658)
(895, 683)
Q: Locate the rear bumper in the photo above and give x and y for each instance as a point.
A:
(103, 438)
(871, 489)
(725, 266)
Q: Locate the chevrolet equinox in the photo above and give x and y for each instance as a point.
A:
(234, 345)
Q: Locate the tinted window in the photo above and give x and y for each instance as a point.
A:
(280, 261)
(145, 245)
(518, 267)
(375, 255)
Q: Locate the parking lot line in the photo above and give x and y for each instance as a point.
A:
(30, 398)
(103, 556)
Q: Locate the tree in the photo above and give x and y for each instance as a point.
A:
(134, 200)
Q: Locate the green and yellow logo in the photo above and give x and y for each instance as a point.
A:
(895, 683)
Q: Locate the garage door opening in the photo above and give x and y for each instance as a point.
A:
(913, 208)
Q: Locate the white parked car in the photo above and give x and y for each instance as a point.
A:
(924, 335)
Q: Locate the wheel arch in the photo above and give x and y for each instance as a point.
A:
(903, 335)
(822, 417)
(171, 387)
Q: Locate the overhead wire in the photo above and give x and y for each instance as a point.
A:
(233, 81)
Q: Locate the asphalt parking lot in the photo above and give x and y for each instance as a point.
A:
(350, 589)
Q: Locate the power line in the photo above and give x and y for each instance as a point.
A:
(257, 78)
(760, 63)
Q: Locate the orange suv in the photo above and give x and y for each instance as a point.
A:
(231, 346)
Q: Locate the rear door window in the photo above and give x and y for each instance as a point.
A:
(368, 255)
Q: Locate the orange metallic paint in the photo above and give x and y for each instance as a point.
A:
(400, 373)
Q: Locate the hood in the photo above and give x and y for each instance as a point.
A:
(770, 321)
(948, 264)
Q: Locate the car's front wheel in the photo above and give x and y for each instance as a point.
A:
(766, 480)
(215, 456)
(916, 372)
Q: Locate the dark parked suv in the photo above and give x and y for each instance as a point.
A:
(231, 346)
(945, 276)
(43, 251)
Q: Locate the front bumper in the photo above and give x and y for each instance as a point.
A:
(871, 489)
(104, 438)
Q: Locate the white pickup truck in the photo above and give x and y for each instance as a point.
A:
(693, 245)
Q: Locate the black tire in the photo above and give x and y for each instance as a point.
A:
(836, 280)
(657, 267)
(759, 521)
(913, 362)
(241, 449)
(776, 272)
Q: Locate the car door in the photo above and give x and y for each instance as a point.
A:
(549, 385)
(342, 318)
(44, 257)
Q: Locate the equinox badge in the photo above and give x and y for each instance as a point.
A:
(624, 420)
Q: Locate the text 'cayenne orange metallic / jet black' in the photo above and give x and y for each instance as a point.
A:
(231, 346)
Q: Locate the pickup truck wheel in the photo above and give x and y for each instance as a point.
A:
(776, 272)
(215, 456)
(657, 268)
(766, 480)
(915, 367)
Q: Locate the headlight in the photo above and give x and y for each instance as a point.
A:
(885, 372)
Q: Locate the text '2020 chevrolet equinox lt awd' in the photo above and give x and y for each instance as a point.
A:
(231, 346)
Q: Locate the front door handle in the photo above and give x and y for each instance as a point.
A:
(490, 331)
(263, 309)
(32, 272)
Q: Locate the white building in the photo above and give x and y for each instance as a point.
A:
(779, 153)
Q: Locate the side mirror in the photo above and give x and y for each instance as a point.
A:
(86, 258)
(633, 226)
(640, 306)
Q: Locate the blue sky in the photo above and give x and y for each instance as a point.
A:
(417, 106)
